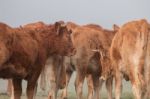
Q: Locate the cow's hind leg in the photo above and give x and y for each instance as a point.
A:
(136, 89)
(147, 94)
(53, 86)
(109, 82)
(64, 92)
(43, 79)
(31, 89)
(17, 89)
(56, 76)
(90, 87)
(79, 84)
(32, 84)
(9, 87)
(137, 76)
(118, 84)
(138, 86)
(96, 84)
(100, 85)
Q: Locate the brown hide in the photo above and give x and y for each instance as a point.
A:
(104, 47)
(92, 43)
(24, 50)
(93, 37)
(5, 32)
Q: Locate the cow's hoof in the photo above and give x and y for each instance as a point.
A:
(50, 96)
(64, 98)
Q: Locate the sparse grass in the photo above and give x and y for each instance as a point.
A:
(126, 95)
(127, 92)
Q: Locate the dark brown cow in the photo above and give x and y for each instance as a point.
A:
(24, 53)
(54, 72)
(53, 67)
(130, 55)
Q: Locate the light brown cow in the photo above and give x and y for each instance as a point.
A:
(54, 72)
(86, 62)
(107, 76)
(24, 53)
(130, 54)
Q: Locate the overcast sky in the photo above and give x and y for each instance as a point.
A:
(102, 12)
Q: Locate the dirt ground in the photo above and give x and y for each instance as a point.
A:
(127, 91)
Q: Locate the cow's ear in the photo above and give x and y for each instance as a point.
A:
(58, 26)
(116, 27)
(21, 26)
(70, 31)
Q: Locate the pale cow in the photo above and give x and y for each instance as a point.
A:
(54, 74)
(130, 55)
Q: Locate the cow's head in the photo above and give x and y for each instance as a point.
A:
(65, 45)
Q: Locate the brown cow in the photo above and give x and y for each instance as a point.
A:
(130, 54)
(86, 62)
(54, 72)
(56, 68)
(30, 26)
(106, 77)
(24, 53)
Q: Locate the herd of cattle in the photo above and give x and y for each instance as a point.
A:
(55, 51)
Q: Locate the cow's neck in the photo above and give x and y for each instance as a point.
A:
(53, 45)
